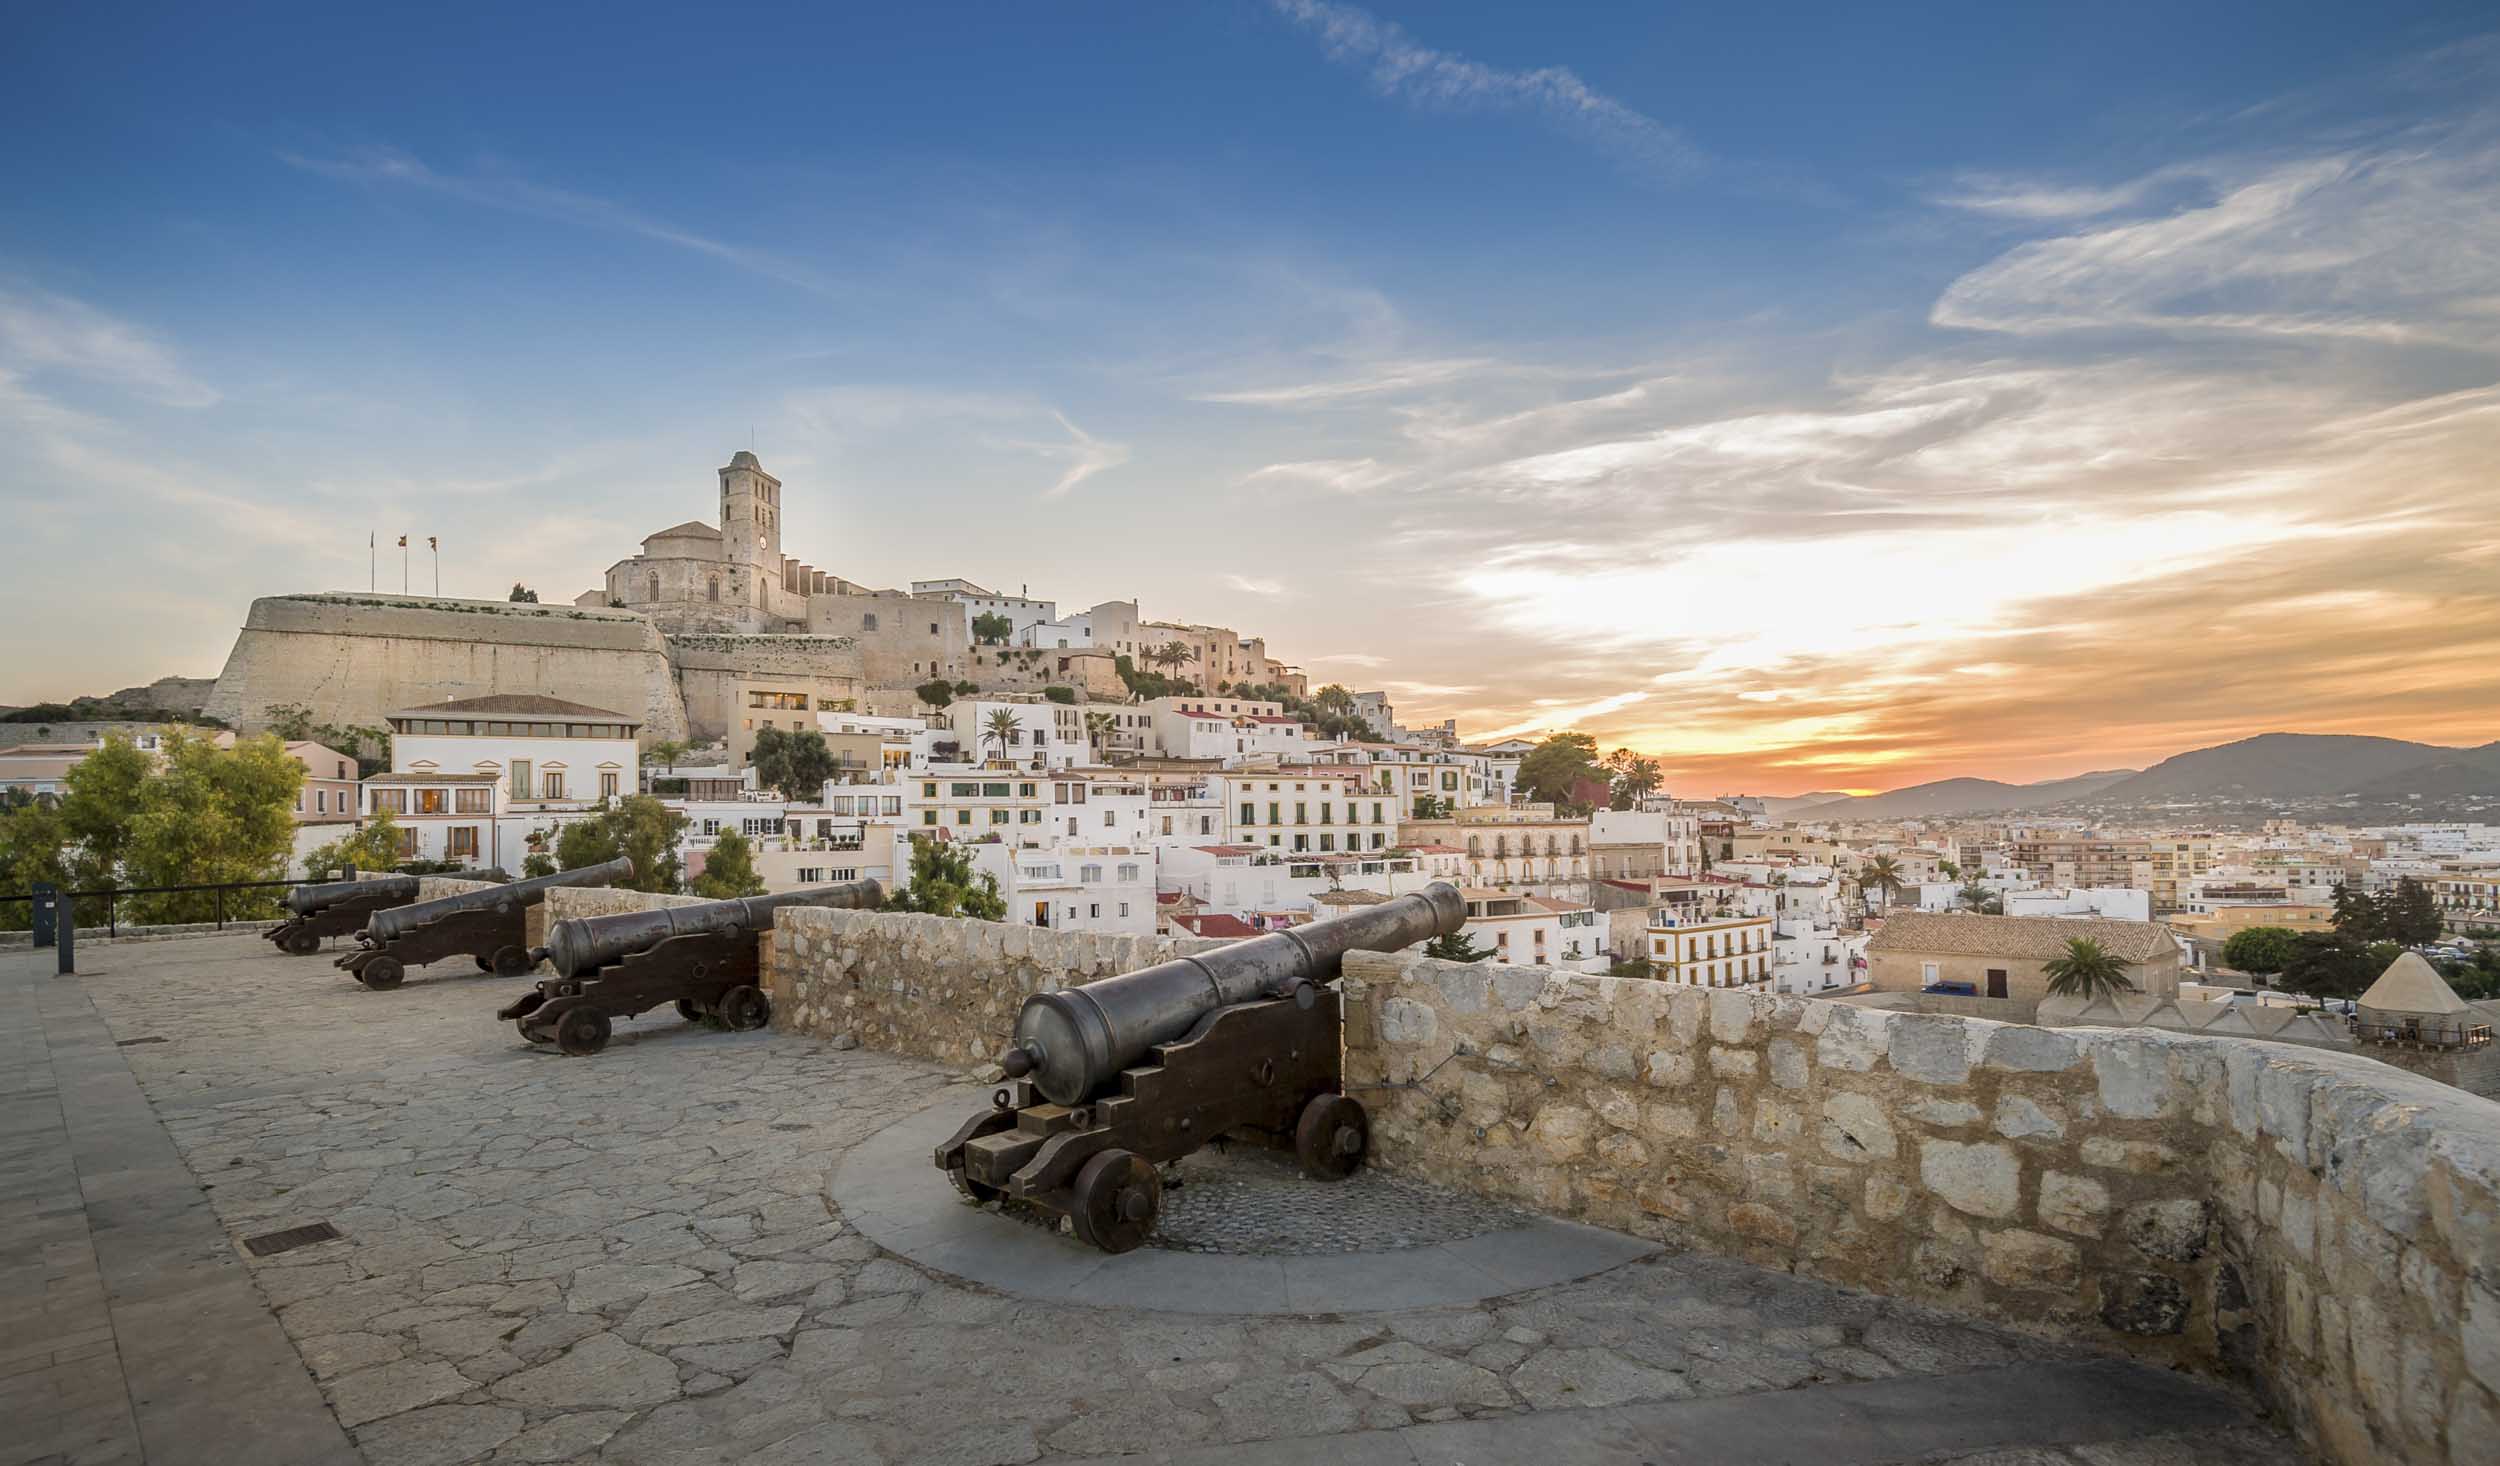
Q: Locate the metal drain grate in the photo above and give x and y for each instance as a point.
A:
(270, 1243)
(124, 1043)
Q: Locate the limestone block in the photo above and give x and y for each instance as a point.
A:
(1732, 1015)
(1770, 1178)
(1778, 1124)
(2134, 1075)
(1671, 1122)
(1734, 1063)
(1943, 1112)
(2175, 1230)
(1983, 1179)
(2031, 1050)
(1516, 988)
(2480, 1337)
(1853, 1038)
(1405, 1021)
(1562, 1131)
(1856, 1127)
(1613, 1061)
(1462, 986)
(1687, 1008)
(2018, 1119)
(1767, 1225)
(1930, 1048)
(1886, 1197)
(2150, 1304)
(2020, 1259)
(1623, 1152)
(2283, 1107)
(1788, 1063)
(1727, 1113)
(2138, 1157)
(1669, 1067)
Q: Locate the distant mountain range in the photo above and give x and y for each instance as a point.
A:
(2268, 766)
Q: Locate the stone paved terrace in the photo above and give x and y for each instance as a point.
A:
(634, 1259)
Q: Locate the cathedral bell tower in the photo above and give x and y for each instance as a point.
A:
(750, 514)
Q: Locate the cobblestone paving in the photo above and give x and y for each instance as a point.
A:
(1249, 1200)
(630, 1258)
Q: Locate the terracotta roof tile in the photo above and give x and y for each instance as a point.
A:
(2032, 937)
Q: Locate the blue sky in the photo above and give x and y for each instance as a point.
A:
(1815, 397)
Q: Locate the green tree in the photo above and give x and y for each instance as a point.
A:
(1334, 699)
(1948, 870)
(2356, 915)
(291, 721)
(966, 689)
(1553, 768)
(1065, 696)
(99, 805)
(943, 883)
(729, 870)
(2087, 970)
(375, 847)
(1172, 655)
(33, 847)
(1882, 875)
(537, 863)
(1632, 777)
(2330, 965)
(1981, 899)
(1003, 728)
(1456, 947)
(937, 692)
(210, 815)
(2263, 950)
(991, 629)
(1099, 726)
(2408, 913)
(638, 826)
(1432, 807)
(795, 761)
(522, 592)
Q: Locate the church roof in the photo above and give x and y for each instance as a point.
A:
(743, 459)
(511, 703)
(2030, 938)
(2411, 985)
(691, 529)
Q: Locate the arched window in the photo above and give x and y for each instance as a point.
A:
(715, 584)
(1475, 845)
(654, 587)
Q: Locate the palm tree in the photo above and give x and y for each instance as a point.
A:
(1980, 899)
(2088, 971)
(1004, 728)
(1172, 654)
(1883, 874)
(1099, 727)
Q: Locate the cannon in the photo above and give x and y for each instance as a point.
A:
(490, 927)
(706, 958)
(1109, 1080)
(336, 908)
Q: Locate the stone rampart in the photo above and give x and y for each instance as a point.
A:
(2321, 1226)
(356, 658)
(709, 665)
(932, 987)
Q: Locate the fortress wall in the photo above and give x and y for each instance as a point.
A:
(710, 664)
(357, 658)
(896, 646)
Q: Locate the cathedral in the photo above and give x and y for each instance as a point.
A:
(694, 577)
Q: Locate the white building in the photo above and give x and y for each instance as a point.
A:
(1306, 811)
(2112, 903)
(1228, 729)
(1710, 948)
(472, 780)
(1241, 880)
(1084, 887)
(1047, 735)
(1020, 610)
(1633, 844)
(1535, 931)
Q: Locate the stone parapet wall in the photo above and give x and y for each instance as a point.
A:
(932, 987)
(2321, 1226)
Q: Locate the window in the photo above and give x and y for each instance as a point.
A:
(811, 874)
(321, 801)
(1090, 875)
(868, 622)
(554, 785)
(928, 816)
(1249, 816)
(1996, 982)
(1124, 908)
(342, 768)
(607, 784)
(963, 816)
(477, 800)
(431, 801)
(407, 842)
(520, 778)
(463, 841)
(1127, 873)
(715, 592)
(1094, 909)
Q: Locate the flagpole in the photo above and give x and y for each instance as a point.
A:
(373, 563)
(403, 565)
(435, 544)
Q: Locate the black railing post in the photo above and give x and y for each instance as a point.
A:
(221, 908)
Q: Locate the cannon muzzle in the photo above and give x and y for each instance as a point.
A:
(399, 920)
(586, 944)
(1076, 1041)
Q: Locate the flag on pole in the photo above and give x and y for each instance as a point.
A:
(403, 542)
(432, 543)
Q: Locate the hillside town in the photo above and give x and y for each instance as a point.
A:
(1097, 771)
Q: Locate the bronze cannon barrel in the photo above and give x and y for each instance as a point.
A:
(1077, 1040)
(305, 900)
(588, 943)
(398, 920)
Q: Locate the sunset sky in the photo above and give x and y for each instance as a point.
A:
(1819, 401)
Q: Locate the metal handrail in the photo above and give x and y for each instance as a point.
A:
(112, 897)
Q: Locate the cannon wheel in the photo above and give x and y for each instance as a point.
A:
(582, 1031)
(381, 973)
(303, 941)
(690, 1010)
(1116, 1200)
(483, 964)
(745, 1007)
(532, 1035)
(1331, 1137)
(509, 962)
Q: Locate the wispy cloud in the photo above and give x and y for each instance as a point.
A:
(44, 333)
(1345, 475)
(1401, 67)
(1255, 587)
(1084, 454)
(386, 168)
(1382, 377)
